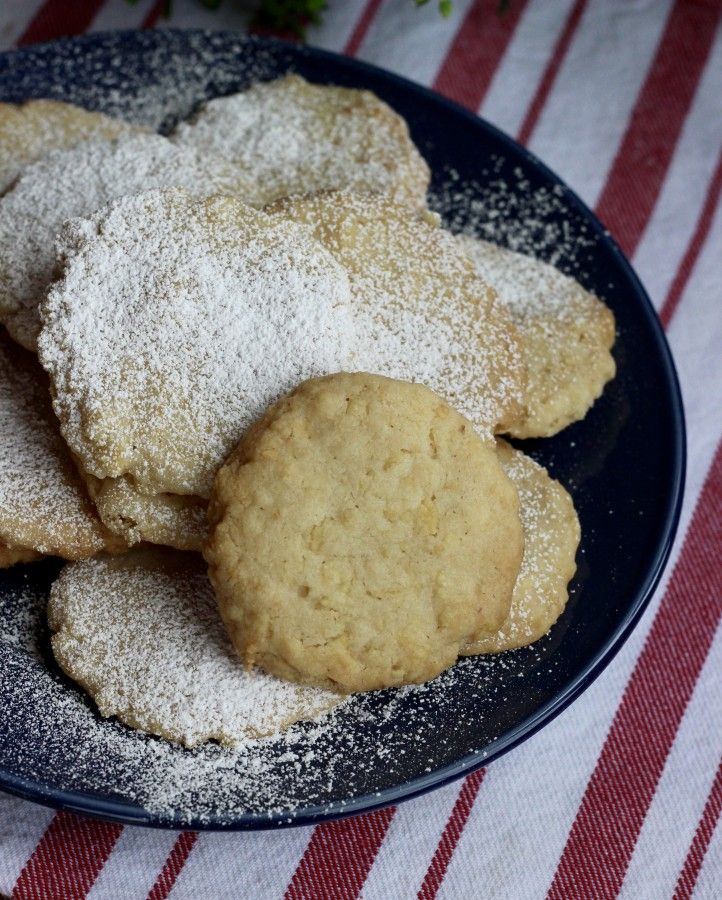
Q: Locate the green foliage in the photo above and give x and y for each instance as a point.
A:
(445, 6)
(294, 16)
(290, 15)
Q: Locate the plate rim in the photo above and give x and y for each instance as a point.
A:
(124, 813)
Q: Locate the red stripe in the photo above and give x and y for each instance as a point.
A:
(67, 860)
(339, 857)
(358, 35)
(58, 18)
(450, 836)
(154, 13)
(173, 865)
(550, 73)
(700, 842)
(646, 150)
(477, 50)
(621, 788)
(694, 248)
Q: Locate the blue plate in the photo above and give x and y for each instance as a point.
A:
(624, 465)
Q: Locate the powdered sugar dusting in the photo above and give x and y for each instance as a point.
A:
(176, 324)
(42, 503)
(551, 533)
(528, 287)
(77, 182)
(292, 137)
(153, 83)
(143, 635)
(53, 735)
(30, 130)
(422, 313)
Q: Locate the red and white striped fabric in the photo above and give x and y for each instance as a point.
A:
(621, 795)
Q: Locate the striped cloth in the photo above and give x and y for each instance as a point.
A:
(620, 795)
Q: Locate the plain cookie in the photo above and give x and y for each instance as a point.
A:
(30, 130)
(291, 137)
(566, 336)
(174, 520)
(361, 534)
(551, 538)
(142, 635)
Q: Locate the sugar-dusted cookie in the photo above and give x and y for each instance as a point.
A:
(43, 504)
(30, 130)
(361, 534)
(291, 137)
(142, 635)
(173, 326)
(566, 334)
(10, 556)
(551, 538)
(418, 300)
(76, 182)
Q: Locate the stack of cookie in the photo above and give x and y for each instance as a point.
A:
(255, 341)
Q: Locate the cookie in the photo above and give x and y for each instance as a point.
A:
(173, 326)
(567, 335)
(43, 504)
(361, 534)
(551, 538)
(142, 635)
(291, 137)
(76, 182)
(174, 520)
(30, 130)
(420, 304)
(10, 556)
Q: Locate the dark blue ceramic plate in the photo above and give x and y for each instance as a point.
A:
(624, 464)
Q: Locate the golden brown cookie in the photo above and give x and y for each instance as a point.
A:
(551, 538)
(142, 635)
(292, 137)
(10, 556)
(423, 310)
(566, 335)
(75, 182)
(361, 534)
(30, 130)
(174, 520)
(43, 504)
(203, 312)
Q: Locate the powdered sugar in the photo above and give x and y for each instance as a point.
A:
(422, 313)
(30, 130)
(77, 182)
(53, 735)
(292, 137)
(42, 502)
(528, 287)
(176, 324)
(143, 635)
